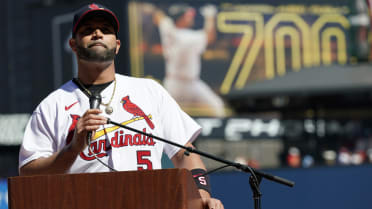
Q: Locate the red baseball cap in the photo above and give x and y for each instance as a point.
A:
(93, 10)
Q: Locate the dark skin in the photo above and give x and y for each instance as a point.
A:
(98, 35)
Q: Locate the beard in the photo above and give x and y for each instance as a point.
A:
(92, 55)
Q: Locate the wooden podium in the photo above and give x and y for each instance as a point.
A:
(155, 189)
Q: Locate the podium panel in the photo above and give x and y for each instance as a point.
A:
(155, 189)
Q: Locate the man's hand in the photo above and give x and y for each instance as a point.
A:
(212, 203)
(209, 202)
(61, 161)
(208, 11)
(89, 122)
(192, 161)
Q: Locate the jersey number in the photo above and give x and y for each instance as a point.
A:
(143, 160)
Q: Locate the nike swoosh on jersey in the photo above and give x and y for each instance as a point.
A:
(68, 107)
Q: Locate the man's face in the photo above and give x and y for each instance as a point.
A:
(187, 19)
(96, 40)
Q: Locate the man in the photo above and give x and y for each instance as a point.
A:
(55, 139)
(182, 50)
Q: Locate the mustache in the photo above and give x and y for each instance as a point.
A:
(85, 53)
(97, 43)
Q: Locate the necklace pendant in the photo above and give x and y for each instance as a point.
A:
(109, 110)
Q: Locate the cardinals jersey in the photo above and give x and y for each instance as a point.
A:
(138, 103)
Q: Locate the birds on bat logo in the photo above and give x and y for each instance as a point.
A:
(132, 108)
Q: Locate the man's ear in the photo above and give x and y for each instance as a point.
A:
(72, 43)
(118, 44)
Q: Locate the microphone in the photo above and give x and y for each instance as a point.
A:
(94, 102)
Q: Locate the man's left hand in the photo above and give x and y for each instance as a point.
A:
(212, 203)
(209, 202)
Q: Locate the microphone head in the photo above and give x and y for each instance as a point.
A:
(95, 101)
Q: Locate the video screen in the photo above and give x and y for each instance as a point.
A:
(202, 52)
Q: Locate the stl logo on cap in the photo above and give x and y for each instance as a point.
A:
(93, 9)
(94, 6)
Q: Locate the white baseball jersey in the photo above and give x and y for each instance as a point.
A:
(182, 49)
(139, 103)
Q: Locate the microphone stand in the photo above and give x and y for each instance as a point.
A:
(254, 179)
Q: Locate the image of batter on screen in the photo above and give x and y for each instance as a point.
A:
(183, 48)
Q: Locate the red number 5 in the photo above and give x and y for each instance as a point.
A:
(142, 160)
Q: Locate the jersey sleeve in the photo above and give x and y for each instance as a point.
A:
(166, 28)
(37, 140)
(177, 125)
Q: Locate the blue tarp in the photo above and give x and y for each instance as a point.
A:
(3, 194)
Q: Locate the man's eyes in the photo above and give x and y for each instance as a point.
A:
(89, 30)
(107, 30)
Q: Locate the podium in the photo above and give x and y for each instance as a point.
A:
(154, 189)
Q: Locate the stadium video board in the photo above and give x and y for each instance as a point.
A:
(252, 43)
